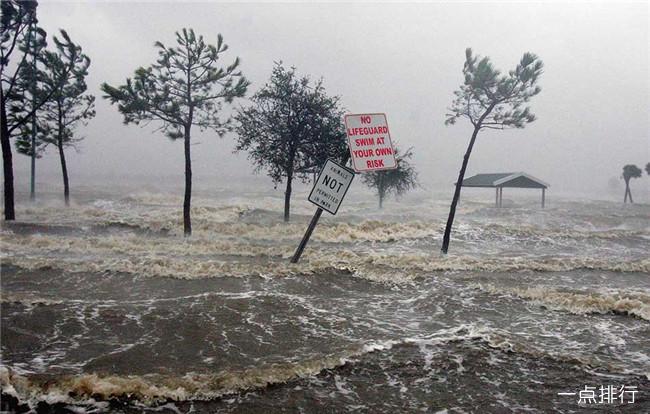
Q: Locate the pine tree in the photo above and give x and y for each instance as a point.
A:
(28, 83)
(291, 129)
(17, 17)
(63, 72)
(490, 100)
(183, 89)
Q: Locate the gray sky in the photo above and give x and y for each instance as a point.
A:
(401, 59)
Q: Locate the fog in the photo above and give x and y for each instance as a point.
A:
(401, 59)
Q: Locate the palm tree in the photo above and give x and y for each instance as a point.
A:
(630, 171)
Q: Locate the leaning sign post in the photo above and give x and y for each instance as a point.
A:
(371, 149)
(331, 186)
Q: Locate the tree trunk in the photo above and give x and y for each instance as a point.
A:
(187, 201)
(32, 181)
(64, 170)
(629, 193)
(7, 161)
(287, 198)
(32, 173)
(64, 167)
(287, 191)
(459, 183)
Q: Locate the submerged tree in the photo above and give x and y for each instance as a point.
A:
(184, 88)
(647, 168)
(396, 181)
(64, 72)
(630, 171)
(491, 100)
(291, 129)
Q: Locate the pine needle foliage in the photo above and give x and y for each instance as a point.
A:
(489, 99)
(186, 87)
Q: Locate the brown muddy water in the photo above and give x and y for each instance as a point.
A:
(107, 308)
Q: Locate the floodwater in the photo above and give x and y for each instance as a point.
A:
(107, 307)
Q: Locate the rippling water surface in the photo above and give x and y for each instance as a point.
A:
(106, 307)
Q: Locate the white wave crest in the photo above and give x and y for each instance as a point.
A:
(578, 302)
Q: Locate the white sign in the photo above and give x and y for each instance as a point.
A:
(330, 188)
(369, 140)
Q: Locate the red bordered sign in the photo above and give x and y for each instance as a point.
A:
(369, 140)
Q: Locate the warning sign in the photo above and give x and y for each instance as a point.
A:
(330, 188)
(369, 140)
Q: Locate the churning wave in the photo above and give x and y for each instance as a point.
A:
(151, 389)
(235, 240)
(392, 268)
(154, 388)
(580, 303)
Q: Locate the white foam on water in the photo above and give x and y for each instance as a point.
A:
(142, 235)
(577, 302)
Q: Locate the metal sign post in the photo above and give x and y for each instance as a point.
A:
(331, 186)
(305, 238)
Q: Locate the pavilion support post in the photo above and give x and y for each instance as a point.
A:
(496, 201)
(543, 197)
(500, 197)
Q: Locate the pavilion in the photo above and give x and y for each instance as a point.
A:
(501, 180)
